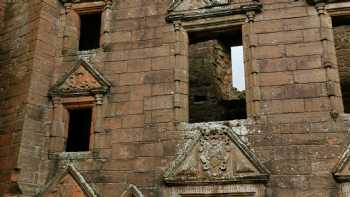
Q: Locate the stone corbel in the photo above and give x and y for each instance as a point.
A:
(178, 26)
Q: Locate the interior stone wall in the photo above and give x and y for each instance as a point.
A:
(342, 44)
(212, 96)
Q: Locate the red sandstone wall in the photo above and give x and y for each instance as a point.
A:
(17, 46)
(297, 141)
(27, 58)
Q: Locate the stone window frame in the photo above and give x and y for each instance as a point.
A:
(338, 9)
(75, 97)
(326, 9)
(227, 18)
(84, 102)
(61, 105)
(74, 8)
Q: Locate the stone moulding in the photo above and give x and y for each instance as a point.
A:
(187, 10)
(78, 178)
(215, 156)
(133, 191)
(341, 171)
(78, 1)
(82, 80)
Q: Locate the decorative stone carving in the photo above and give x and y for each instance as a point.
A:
(186, 10)
(179, 5)
(69, 183)
(215, 154)
(216, 2)
(83, 79)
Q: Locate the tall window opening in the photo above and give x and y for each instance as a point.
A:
(341, 29)
(90, 28)
(79, 129)
(212, 94)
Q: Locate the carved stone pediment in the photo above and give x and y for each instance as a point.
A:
(69, 183)
(341, 171)
(215, 155)
(185, 10)
(132, 191)
(83, 79)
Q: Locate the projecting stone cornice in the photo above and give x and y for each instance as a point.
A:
(187, 10)
(81, 1)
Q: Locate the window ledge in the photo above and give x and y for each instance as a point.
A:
(71, 155)
(89, 54)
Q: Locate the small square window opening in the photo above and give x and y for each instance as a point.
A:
(90, 30)
(79, 129)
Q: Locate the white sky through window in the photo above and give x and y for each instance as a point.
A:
(238, 76)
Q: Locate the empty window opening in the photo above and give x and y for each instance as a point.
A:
(213, 96)
(79, 130)
(90, 28)
(238, 74)
(341, 29)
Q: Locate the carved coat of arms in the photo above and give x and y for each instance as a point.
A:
(214, 154)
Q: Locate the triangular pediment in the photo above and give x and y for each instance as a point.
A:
(69, 183)
(215, 154)
(132, 191)
(185, 10)
(83, 79)
(341, 172)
